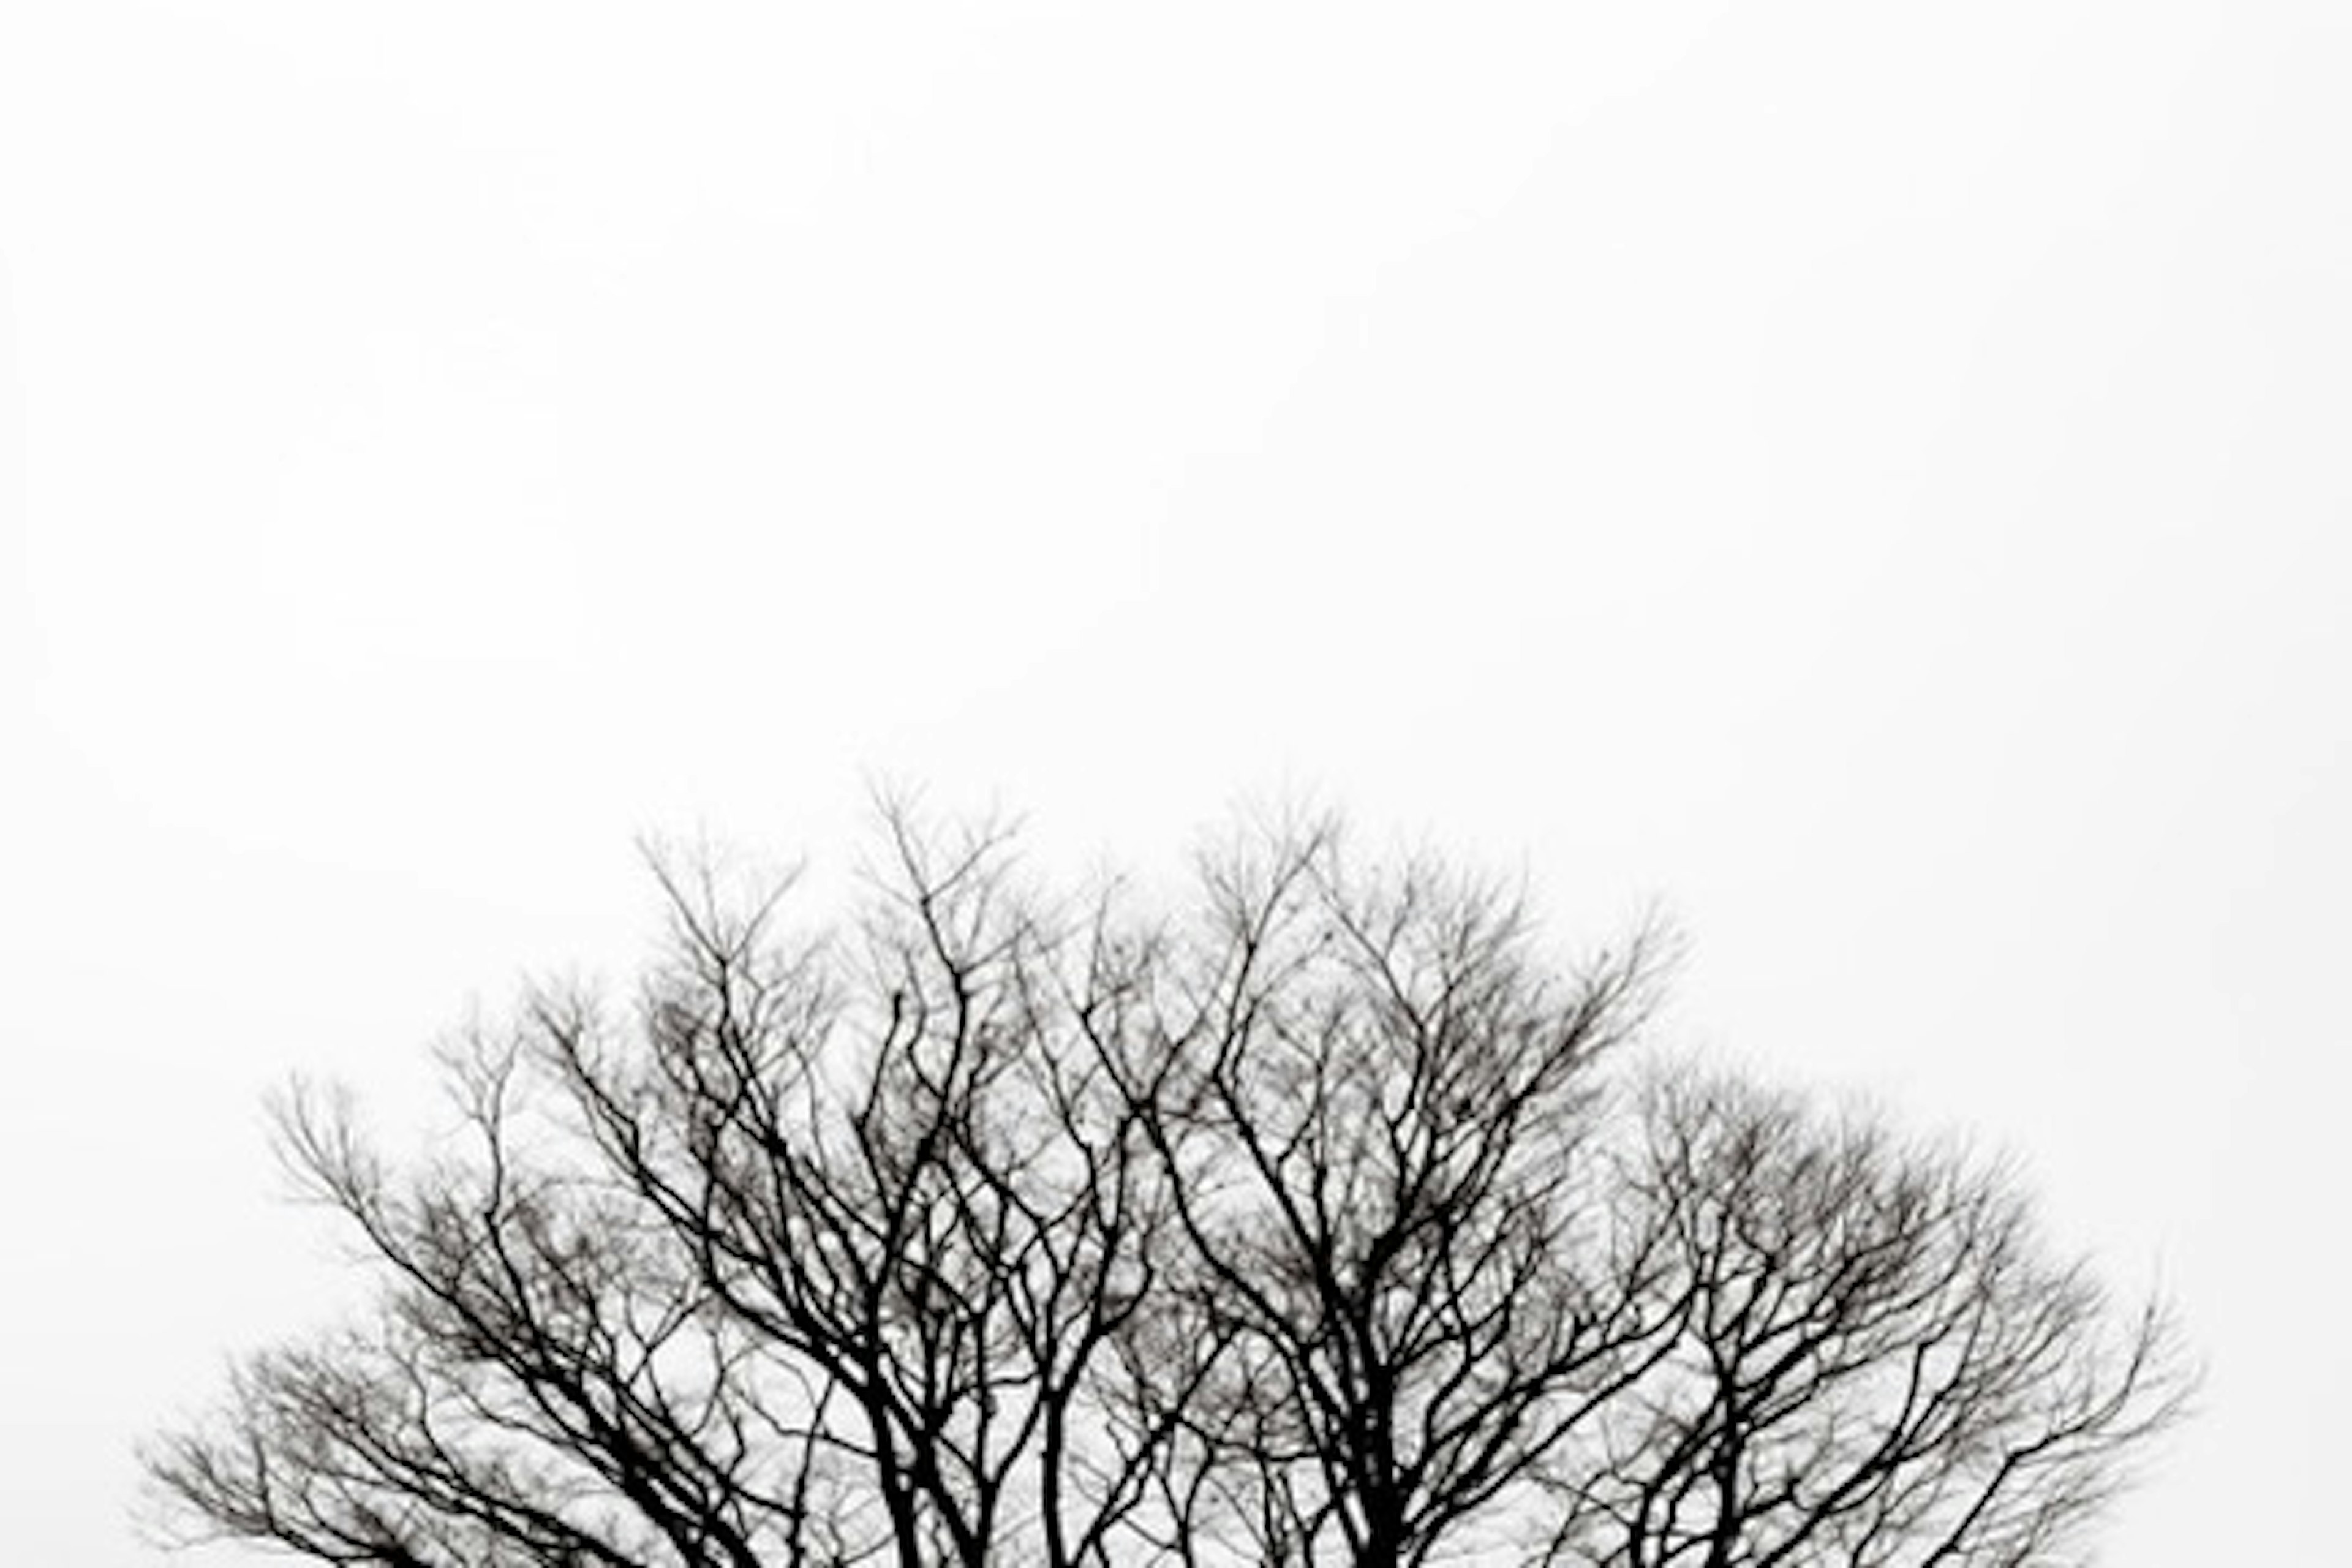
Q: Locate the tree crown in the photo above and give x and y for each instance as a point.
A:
(1323, 1224)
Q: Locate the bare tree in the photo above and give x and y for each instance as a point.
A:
(1310, 1228)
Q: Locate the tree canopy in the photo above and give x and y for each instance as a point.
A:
(1323, 1217)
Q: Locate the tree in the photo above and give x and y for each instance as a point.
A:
(1320, 1225)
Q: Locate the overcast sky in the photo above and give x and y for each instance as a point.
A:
(1874, 477)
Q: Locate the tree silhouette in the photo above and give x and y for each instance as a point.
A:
(1316, 1224)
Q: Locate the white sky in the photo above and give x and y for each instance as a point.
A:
(1874, 476)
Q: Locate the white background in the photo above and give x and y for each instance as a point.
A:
(1873, 476)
